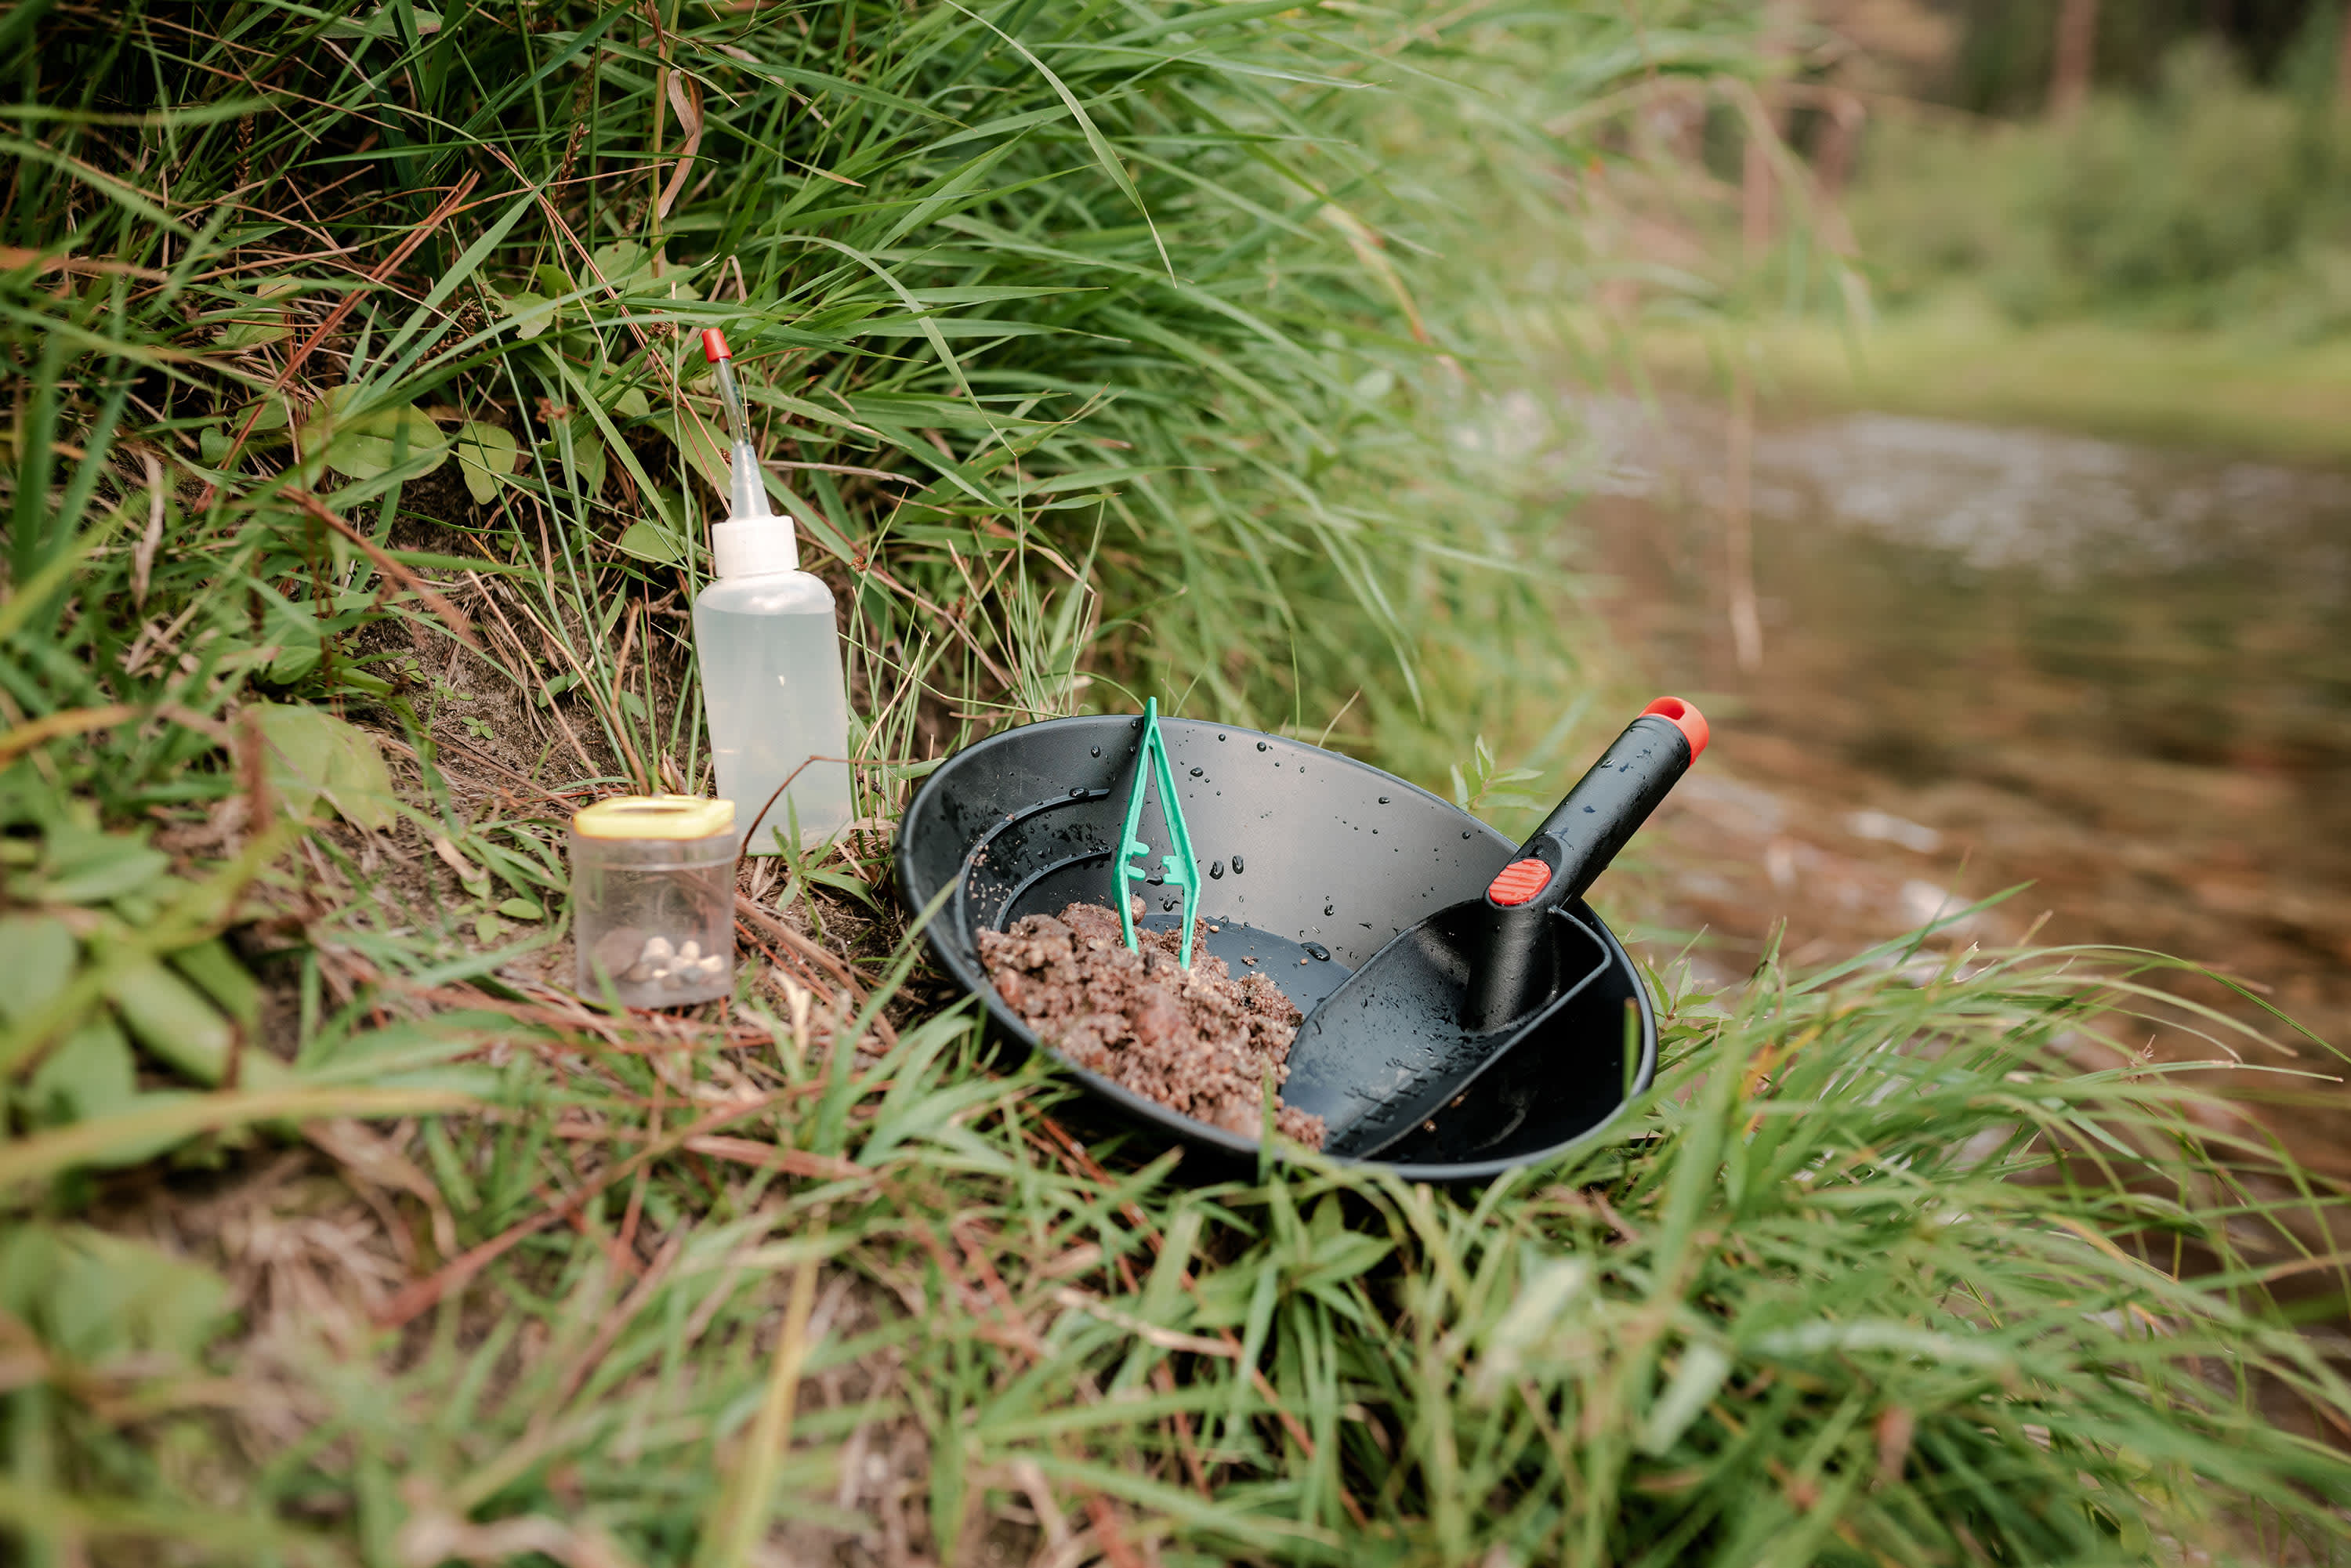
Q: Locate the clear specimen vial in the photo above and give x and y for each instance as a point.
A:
(653, 899)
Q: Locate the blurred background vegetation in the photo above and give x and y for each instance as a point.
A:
(2150, 235)
(2204, 180)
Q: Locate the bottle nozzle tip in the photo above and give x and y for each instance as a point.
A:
(714, 345)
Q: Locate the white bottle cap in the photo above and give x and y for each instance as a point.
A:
(754, 547)
(753, 541)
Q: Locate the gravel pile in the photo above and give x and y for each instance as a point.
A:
(1200, 1044)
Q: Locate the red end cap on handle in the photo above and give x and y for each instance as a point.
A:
(1684, 717)
(714, 345)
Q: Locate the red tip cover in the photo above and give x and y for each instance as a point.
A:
(714, 345)
(1686, 718)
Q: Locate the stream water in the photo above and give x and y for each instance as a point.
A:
(1992, 656)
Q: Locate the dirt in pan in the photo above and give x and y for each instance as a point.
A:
(1199, 1043)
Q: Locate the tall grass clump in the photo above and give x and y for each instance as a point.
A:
(358, 468)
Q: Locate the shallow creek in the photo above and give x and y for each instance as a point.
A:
(1994, 656)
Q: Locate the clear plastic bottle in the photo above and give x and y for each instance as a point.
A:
(770, 658)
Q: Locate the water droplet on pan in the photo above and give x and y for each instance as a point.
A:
(1197, 772)
(1383, 799)
(1076, 792)
(1260, 745)
(1237, 865)
(1316, 950)
(1097, 751)
(1215, 868)
(1330, 909)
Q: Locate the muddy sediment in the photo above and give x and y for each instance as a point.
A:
(1201, 1043)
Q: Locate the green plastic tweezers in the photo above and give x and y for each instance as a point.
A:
(1177, 869)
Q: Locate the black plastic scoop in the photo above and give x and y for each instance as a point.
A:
(1448, 999)
(1311, 862)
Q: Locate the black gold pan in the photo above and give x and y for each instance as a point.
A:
(1320, 867)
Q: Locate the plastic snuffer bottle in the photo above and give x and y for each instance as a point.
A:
(770, 656)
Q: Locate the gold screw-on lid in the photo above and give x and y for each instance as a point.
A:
(655, 817)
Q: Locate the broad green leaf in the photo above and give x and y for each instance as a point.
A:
(650, 541)
(533, 312)
(87, 866)
(619, 264)
(486, 453)
(214, 968)
(36, 960)
(90, 1074)
(92, 1296)
(313, 754)
(297, 660)
(367, 445)
(256, 323)
(172, 1018)
(243, 335)
(521, 909)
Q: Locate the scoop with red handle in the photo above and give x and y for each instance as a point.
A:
(1446, 999)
